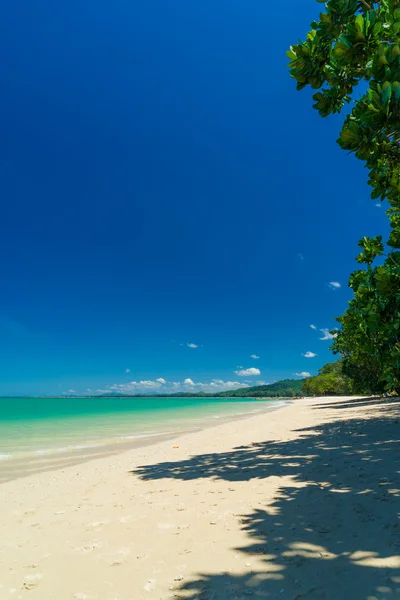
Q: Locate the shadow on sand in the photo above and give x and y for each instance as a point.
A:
(333, 531)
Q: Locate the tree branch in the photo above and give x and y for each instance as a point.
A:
(367, 6)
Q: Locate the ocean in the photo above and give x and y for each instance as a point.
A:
(38, 434)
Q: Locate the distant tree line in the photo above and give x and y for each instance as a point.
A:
(287, 388)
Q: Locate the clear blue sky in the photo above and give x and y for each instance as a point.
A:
(162, 184)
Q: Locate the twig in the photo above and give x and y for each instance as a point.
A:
(366, 5)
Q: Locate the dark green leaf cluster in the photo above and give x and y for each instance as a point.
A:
(370, 328)
(330, 381)
(355, 41)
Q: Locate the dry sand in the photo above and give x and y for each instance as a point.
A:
(300, 503)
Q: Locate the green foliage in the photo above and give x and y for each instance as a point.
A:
(370, 333)
(330, 381)
(355, 41)
(363, 369)
(359, 41)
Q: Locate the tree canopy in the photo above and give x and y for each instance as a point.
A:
(330, 381)
(358, 41)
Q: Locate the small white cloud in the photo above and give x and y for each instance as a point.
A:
(327, 335)
(191, 345)
(189, 381)
(248, 372)
(303, 374)
(148, 383)
(161, 380)
(254, 356)
(71, 391)
(301, 257)
(378, 204)
(334, 285)
(127, 370)
(134, 386)
(309, 354)
(313, 327)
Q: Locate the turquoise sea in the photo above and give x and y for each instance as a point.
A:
(38, 434)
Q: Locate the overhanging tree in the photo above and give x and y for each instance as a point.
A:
(358, 41)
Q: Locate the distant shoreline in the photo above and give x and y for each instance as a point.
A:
(153, 396)
(284, 388)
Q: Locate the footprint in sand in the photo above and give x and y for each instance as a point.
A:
(150, 585)
(125, 551)
(96, 525)
(89, 547)
(165, 526)
(125, 519)
(31, 581)
(120, 555)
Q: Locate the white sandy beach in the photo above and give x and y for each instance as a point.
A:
(299, 503)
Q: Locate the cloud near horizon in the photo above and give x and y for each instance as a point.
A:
(162, 386)
(309, 354)
(248, 372)
(303, 374)
(254, 356)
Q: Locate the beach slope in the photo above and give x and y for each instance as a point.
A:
(299, 503)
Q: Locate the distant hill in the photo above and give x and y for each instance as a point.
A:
(287, 388)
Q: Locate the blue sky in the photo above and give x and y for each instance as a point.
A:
(164, 184)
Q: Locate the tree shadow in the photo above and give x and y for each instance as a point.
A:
(383, 403)
(332, 530)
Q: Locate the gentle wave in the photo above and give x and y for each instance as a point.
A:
(66, 449)
(145, 435)
(72, 447)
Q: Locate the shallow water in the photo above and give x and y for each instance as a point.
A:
(37, 434)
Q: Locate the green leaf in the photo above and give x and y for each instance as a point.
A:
(359, 22)
(377, 28)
